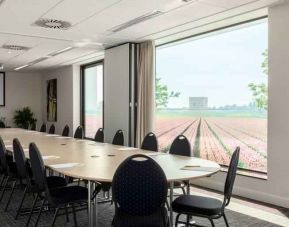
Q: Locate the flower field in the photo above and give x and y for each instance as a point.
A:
(215, 138)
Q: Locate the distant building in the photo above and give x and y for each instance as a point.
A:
(198, 103)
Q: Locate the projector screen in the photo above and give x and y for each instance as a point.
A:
(2, 89)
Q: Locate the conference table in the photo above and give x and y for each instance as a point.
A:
(93, 161)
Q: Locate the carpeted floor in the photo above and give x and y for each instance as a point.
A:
(106, 212)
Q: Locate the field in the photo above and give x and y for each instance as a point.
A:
(215, 134)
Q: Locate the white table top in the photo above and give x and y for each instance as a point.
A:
(89, 160)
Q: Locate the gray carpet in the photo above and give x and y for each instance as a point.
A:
(106, 212)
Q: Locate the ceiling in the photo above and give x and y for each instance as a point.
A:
(91, 23)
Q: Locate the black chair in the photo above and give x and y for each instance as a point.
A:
(207, 207)
(25, 175)
(8, 172)
(139, 189)
(181, 146)
(79, 133)
(99, 136)
(118, 138)
(58, 198)
(65, 131)
(26, 125)
(51, 129)
(33, 127)
(2, 125)
(43, 128)
(150, 142)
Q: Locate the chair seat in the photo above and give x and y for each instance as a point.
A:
(157, 219)
(69, 194)
(52, 182)
(12, 169)
(197, 205)
(105, 186)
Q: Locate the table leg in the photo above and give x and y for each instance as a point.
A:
(95, 211)
(89, 204)
(171, 201)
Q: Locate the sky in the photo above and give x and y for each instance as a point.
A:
(218, 66)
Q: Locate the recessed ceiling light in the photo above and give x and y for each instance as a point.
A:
(135, 21)
(53, 23)
(21, 67)
(59, 52)
(14, 47)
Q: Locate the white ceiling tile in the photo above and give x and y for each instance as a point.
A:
(75, 11)
(227, 3)
(171, 19)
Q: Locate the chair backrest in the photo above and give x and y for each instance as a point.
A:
(20, 159)
(99, 136)
(3, 153)
(231, 175)
(43, 127)
(38, 168)
(150, 142)
(79, 133)
(139, 186)
(33, 127)
(118, 138)
(181, 146)
(2, 125)
(25, 125)
(52, 129)
(65, 131)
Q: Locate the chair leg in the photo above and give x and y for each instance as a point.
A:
(39, 214)
(55, 216)
(66, 214)
(2, 179)
(3, 188)
(31, 211)
(177, 220)
(21, 203)
(226, 221)
(10, 196)
(184, 192)
(212, 222)
(74, 215)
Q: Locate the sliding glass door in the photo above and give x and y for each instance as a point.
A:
(92, 98)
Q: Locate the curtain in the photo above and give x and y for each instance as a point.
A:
(146, 90)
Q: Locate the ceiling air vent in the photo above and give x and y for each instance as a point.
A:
(136, 21)
(14, 47)
(52, 23)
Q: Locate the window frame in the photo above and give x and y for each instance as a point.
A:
(212, 31)
(82, 92)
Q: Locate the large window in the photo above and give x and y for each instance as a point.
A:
(213, 89)
(92, 98)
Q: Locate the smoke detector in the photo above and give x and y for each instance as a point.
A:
(53, 24)
(14, 47)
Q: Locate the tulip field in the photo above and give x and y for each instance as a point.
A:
(216, 137)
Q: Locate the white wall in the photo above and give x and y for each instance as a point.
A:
(275, 190)
(116, 91)
(68, 93)
(22, 89)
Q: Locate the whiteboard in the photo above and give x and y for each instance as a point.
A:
(2, 89)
